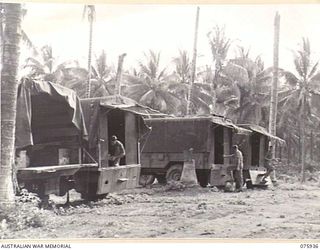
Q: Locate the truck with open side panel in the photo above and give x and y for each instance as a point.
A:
(210, 137)
(163, 154)
(62, 142)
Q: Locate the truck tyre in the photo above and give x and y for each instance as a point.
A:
(161, 179)
(174, 173)
(145, 179)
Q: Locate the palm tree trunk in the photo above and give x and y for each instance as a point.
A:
(194, 61)
(288, 153)
(302, 136)
(88, 92)
(274, 87)
(9, 84)
(300, 142)
(1, 34)
(119, 74)
(311, 145)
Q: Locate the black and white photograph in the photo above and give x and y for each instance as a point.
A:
(156, 121)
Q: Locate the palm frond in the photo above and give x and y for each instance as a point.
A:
(291, 79)
(313, 71)
(298, 66)
(219, 43)
(25, 38)
(171, 101)
(90, 11)
(101, 65)
(147, 97)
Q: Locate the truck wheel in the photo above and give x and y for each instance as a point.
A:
(174, 173)
(145, 180)
(161, 179)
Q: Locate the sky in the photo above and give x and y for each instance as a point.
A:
(135, 29)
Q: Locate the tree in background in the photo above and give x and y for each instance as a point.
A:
(45, 66)
(253, 82)
(90, 11)
(10, 61)
(149, 86)
(274, 86)
(303, 91)
(201, 98)
(102, 77)
(219, 45)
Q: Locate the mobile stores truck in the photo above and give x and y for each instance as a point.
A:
(209, 137)
(62, 142)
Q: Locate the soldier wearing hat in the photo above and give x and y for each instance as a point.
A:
(116, 151)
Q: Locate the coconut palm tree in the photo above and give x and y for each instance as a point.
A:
(9, 83)
(194, 62)
(274, 87)
(150, 85)
(254, 89)
(90, 11)
(303, 88)
(45, 67)
(201, 99)
(243, 89)
(1, 29)
(102, 78)
(24, 36)
(219, 45)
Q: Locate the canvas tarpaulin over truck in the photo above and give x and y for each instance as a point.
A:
(44, 106)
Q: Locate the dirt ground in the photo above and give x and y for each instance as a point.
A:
(290, 211)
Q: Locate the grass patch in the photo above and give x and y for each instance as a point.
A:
(23, 213)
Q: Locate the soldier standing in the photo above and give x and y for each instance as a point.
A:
(238, 175)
